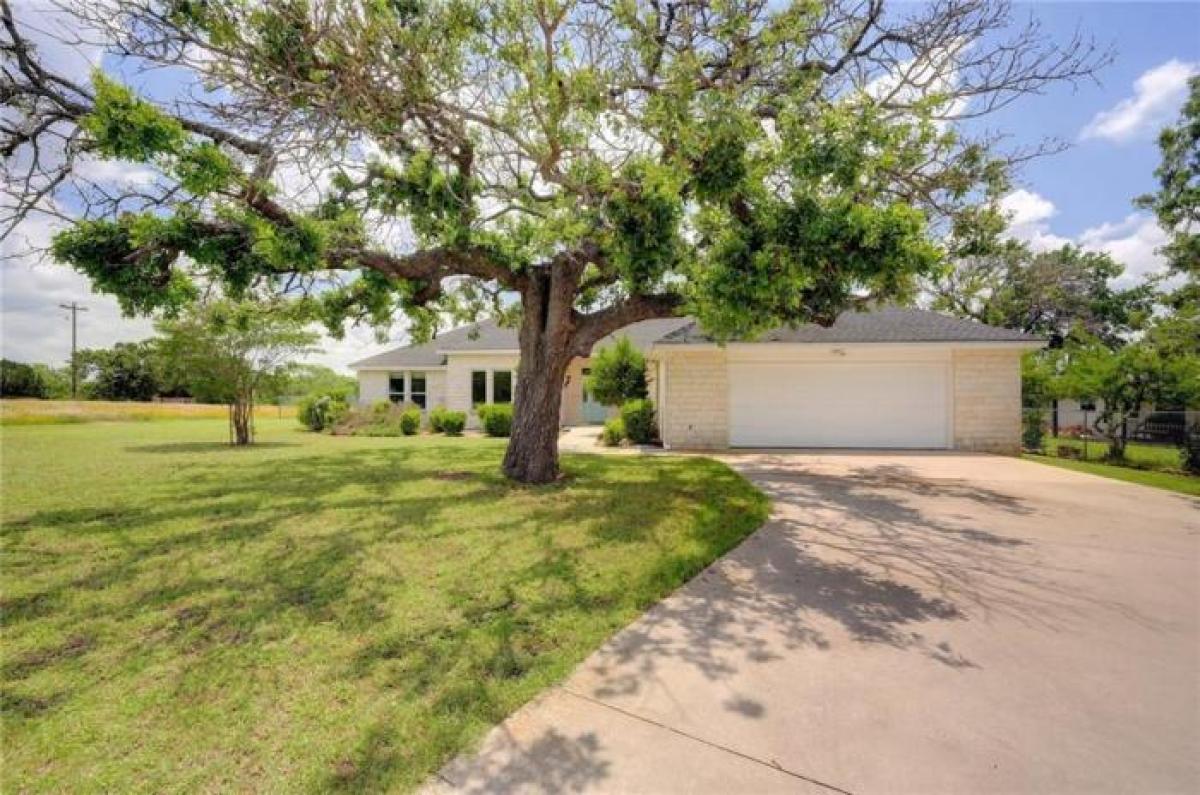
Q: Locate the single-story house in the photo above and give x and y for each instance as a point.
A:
(889, 378)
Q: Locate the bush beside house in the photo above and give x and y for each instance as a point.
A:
(496, 418)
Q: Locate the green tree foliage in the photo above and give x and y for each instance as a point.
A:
(1177, 201)
(19, 380)
(310, 379)
(754, 164)
(127, 371)
(56, 379)
(232, 350)
(618, 373)
(1162, 368)
(1054, 294)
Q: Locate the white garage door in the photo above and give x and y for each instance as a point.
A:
(900, 404)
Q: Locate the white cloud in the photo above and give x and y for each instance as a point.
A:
(55, 34)
(115, 172)
(358, 343)
(1157, 95)
(1029, 217)
(32, 326)
(1133, 241)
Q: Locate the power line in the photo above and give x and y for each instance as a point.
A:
(75, 310)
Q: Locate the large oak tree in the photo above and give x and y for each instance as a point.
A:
(601, 162)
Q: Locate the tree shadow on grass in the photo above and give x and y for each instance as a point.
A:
(507, 581)
(206, 447)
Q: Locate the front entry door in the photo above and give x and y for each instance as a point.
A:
(593, 413)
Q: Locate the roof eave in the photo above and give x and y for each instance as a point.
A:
(1026, 344)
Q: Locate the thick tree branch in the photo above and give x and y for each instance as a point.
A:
(593, 327)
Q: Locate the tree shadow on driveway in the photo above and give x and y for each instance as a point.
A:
(875, 554)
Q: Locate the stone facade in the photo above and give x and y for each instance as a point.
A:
(694, 403)
(987, 400)
(692, 386)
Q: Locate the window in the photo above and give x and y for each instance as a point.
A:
(478, 387)
(416, 392)
(502, 386)
(396, 387)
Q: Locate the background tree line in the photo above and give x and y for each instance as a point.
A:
(149, 370)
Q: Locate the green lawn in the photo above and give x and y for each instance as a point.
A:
(1172, 481)
(316, 613)
(1145, 456)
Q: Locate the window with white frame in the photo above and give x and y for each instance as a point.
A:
(408, 387)
(416, 388)
(396, 391)
(491, 386)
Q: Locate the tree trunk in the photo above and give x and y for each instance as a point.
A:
(547, 337)
(241, 414)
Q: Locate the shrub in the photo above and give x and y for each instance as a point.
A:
(380, 408)
(1032, 429)
(320, 411)
(496, 418)
(1189, 455)
(613, 433)
(638, 418)
(618, 374)
(453, 422)
(435, 418)
(410, 421)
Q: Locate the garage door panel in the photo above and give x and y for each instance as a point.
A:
(898, 405)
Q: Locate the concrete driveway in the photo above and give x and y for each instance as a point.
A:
(936, 623)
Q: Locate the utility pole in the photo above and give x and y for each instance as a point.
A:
(75, 310)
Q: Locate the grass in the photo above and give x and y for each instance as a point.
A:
(1139, 455)
(315, 613)
(61, 412)
(1171, 481)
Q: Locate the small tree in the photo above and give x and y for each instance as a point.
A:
(1162, 367)
(232, 349)
(618, 374)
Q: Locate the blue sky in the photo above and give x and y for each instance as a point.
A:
(1083, 195)
(1095, 180)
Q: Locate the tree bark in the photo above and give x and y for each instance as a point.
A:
(241, 413)
(547, 339)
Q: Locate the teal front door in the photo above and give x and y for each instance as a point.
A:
(593, 413)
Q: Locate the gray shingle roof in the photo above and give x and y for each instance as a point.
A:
(490, 336)
(880, 325)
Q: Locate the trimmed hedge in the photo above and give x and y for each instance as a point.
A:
(638, 419)
(320, 411)
(452, 422)
(497, 418)
(410, 421)
(613, 433)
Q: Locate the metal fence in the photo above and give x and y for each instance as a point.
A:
(1146, 427)
(1152, 439)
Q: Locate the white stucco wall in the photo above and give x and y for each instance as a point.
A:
(373, 386)
(459, 367)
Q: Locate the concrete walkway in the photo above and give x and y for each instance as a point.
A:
(937, 623)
